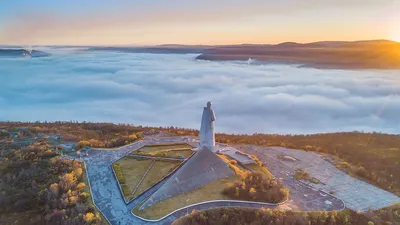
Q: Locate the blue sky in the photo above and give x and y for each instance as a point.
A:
(122, 22)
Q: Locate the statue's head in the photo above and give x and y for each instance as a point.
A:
(209, 105)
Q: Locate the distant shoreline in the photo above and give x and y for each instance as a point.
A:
(321, 55)
(205, 57)
(358, 55)
(18, 52)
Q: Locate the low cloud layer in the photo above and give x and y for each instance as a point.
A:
(170, 90)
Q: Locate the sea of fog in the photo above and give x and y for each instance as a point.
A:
(171, 90)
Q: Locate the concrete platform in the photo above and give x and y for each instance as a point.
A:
(356, 194)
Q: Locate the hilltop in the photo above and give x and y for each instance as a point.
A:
(22, 53)
(375, 54)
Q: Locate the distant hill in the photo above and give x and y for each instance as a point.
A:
(22, 53)
(376, 54)
(161, 49)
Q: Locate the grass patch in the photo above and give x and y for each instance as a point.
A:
(159, 170)
(163, 147)
(21, 218)
(241, 170)
(210, 191)
(185, 153)
(302, 175)
(234, 165)
(262, 169)
(129, 171)
(166, 150)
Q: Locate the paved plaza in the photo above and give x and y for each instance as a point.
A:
(304, 196)
(356, 194)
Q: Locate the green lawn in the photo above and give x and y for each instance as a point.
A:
(166, 150)
(210, 191)
(163, 147)
(176, 153)
(159, 170)
(129, 171)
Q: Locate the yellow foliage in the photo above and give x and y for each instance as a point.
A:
(88, 217)
(133, 137)
(78, 172)
(82, 144)
(96, 143)
(73, 199)
(68, 181)
(81, 186)
(54, 188)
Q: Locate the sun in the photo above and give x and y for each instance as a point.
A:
(396, 36)
(394, 28)
(394, 32)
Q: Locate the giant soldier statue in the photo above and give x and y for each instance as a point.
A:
(207, 134)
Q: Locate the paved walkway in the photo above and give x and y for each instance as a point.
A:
(356, 194)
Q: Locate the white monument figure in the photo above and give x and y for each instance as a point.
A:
(207, 134)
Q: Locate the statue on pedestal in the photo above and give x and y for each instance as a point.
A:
(207, 134)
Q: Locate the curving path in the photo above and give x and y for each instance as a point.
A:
(108, 199)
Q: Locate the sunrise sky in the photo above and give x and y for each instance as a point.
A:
(134, 22)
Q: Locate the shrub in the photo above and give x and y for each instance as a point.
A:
(84, 196)
(362, 172)
(267, 216)
(88, 217)
(82, 144)
(255, 186)
(81, 186)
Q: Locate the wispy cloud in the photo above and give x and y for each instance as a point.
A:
(156, 89)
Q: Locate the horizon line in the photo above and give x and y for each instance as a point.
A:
(176, 44)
